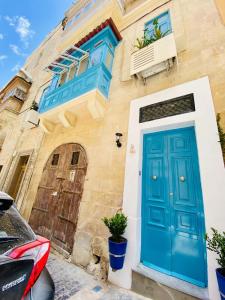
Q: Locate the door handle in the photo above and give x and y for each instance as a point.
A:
(154, 177)
(182, 178)
(171, 194)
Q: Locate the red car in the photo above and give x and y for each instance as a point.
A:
(23, 257)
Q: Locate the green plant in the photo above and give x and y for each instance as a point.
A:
(148, 38)
(116, 225)
(221, 135)
(217, 245)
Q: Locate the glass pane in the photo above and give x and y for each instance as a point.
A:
(96, 57)
(54, 83)
(73, 70)
(62, 78)
(108, 60)
(11, 224)
(163, 23)
(83, 66)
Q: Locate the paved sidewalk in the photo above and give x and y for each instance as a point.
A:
(73, 283)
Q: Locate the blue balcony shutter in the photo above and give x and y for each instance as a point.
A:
(54, 82)
(163, 21)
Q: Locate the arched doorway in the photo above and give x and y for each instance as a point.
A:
(55, 211)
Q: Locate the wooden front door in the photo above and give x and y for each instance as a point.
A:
(55, 211)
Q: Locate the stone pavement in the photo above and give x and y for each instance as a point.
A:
(73, 283)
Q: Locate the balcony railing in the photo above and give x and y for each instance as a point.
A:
(97, 77)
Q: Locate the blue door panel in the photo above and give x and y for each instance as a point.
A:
(155, 208)
(172, 206)
(156, 190)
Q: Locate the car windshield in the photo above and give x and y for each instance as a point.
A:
(14, 231)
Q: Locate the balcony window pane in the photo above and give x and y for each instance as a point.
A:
(96, 57)
(62, 78)
(108, 60)
(72, 73)
(54, 83)
(83, 66)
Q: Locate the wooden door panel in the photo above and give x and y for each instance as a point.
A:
(55, 211)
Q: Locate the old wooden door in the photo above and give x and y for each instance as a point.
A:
(55, 212)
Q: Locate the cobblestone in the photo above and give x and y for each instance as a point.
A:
(73, 283)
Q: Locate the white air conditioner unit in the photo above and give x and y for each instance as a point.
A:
(155, 57)
(32, 117)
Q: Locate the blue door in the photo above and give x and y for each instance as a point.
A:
(172, 206)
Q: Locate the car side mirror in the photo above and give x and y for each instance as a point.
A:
(5, 201)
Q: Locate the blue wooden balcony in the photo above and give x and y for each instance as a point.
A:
(81, 79)
(96, 77)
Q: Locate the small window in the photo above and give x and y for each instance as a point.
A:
(63, 78)
(163, 23)
(72, 73)
(83, 66)
(108, 60)
(96, 57)
(55, 159)
(45, 91)
(75, 158)
(54, 82)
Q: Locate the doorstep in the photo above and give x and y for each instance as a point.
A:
(147, 281)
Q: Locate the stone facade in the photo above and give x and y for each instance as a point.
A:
(200, 40)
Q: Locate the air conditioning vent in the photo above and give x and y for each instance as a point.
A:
(154, 58)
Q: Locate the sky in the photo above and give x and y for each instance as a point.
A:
(23, 26)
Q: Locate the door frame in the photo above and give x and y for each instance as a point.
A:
(26, 176)
(212, 176)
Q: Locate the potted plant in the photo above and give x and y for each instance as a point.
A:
(117, 243)
(217, 245)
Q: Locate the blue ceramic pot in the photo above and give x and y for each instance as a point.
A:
(220, 273)
(117, 253)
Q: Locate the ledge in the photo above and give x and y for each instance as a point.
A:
(66, 114)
